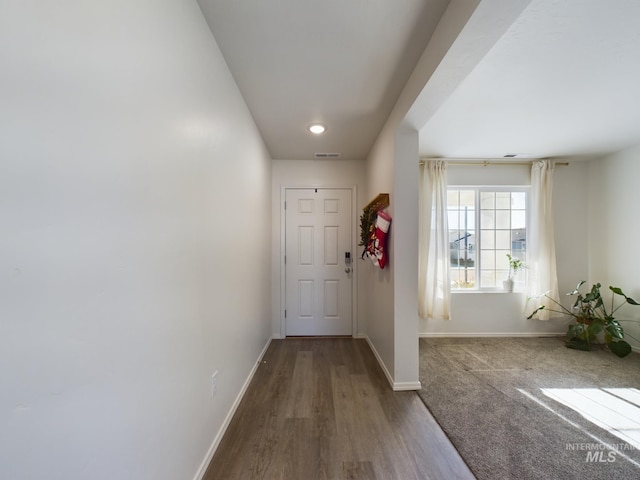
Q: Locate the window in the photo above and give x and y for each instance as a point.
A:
(486, 224)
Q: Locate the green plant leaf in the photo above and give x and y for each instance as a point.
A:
(541, 307)
(578, 344)
(632, 301)
(615, 329)
(575, 290)
(595, 328)
(620, 348)
(577, 330)
(617, 291)
(591, 296)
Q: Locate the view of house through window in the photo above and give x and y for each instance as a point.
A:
(486, 224)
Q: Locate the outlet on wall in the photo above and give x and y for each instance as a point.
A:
(214, 383)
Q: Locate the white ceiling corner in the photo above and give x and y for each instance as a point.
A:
(561, 82)
(542, 78)
(342, 63)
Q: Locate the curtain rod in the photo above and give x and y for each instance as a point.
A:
(486, 163)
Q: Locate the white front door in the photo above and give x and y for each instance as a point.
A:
(318, 276)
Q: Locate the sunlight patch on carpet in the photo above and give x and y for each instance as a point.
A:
(616, 410)
(598, 440)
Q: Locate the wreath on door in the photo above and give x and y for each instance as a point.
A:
(374, 226)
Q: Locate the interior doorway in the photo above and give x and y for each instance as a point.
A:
(318, 261)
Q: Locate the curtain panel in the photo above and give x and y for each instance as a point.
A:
(541, 256)
(434, 286)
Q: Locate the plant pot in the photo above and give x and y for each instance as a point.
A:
(508, 285)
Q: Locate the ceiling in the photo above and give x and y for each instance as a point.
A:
(559, 78)
(563, 81)
(342, 63)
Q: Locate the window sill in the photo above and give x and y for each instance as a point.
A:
(491, 292)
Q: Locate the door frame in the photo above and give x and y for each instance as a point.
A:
(354, 256)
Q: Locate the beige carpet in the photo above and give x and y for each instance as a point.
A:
(487, 394)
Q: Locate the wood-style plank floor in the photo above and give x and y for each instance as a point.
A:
(321, 408)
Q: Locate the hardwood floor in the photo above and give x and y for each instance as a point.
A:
(321, 408)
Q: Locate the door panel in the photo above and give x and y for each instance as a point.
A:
(331, 246)
(305, 245)
(318, 286)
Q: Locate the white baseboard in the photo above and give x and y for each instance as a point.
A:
(379, 358)
(216, 441)
(405, 386)
(395, 386)
(488, 335)
(507, 334)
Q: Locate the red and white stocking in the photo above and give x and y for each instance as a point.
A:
(378, 252)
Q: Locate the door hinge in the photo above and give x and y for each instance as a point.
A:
(285, 313)
(285, 205)
(285, 259)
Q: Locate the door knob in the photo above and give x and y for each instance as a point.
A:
(348, 270)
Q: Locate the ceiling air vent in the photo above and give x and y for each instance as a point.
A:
(327, 155)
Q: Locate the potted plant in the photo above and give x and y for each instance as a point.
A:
(593, 318)
(515, 265)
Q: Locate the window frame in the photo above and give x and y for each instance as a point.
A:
(478, 232)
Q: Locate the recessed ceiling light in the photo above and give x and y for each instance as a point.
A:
(317, 128)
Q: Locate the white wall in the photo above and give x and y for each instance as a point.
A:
(405, 244)
(614, 228)
(313, 173)
(379, 283)
(134, 193)
(392, 167)
(503, 313)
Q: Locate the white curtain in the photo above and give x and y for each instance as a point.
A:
(433, 257)
(541, 256)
